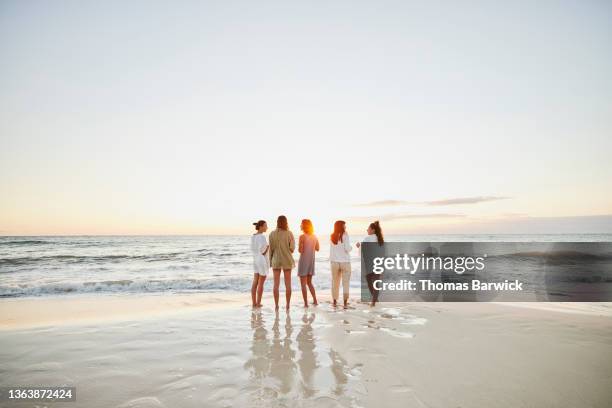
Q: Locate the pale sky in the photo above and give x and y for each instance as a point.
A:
(196, 117)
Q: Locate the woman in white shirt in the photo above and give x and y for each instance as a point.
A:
(261, 264)
(374, 235)
(340, 258)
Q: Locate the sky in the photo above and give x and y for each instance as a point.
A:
(201, 117)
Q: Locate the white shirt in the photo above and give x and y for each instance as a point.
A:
(370, 238)
(261, 263)
(259, 243)
(340, 252)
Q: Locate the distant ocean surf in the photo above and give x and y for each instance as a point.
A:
(52, 266)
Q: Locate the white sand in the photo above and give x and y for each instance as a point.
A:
(213, 351)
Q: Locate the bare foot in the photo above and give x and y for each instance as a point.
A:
(305, 305)
(315, 303)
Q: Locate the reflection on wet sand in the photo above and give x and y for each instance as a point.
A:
(282, 355)
(258, 364)
(285, 366)
(339, 369)
(308, 356)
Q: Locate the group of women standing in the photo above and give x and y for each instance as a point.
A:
(277, 253)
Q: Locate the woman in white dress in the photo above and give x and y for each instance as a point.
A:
(261, 264)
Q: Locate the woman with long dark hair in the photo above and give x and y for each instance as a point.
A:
(307, 246)
(340, 259)
(282, 245)
(261, 264)
(375, 234)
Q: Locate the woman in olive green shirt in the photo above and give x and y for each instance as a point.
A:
(282, 245)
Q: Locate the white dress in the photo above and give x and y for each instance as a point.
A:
(261, 265)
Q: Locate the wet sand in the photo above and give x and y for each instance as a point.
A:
(215, 351)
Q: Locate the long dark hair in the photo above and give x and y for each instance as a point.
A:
(378, 231)
(339, 230)
(259, 224)
(307, 226)
(281, 223)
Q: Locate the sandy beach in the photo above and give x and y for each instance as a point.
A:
(164, 165)
(215, 351)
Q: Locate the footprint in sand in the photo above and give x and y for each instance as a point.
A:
(389, 313)
(372, 325)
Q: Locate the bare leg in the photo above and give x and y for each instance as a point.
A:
(260, 288)
(276, 273)
(287, 273)
(312, 290)
(373, 291)
(254, 288)
(370, 279)
(304, 284)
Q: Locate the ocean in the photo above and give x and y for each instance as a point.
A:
(68, 265)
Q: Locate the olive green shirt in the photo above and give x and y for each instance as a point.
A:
(282, 245)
